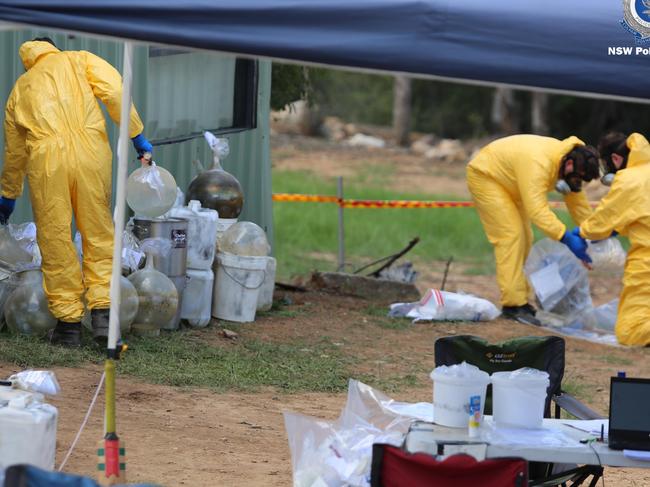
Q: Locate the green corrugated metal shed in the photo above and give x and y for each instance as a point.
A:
(249, 158)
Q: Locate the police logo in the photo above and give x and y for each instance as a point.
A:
(636, 15)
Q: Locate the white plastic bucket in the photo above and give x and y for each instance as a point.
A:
(265, 297)
(451, 395)
(197, 298)
(519, 398)
(237, 286)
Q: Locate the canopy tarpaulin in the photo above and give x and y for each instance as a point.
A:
(551, 44)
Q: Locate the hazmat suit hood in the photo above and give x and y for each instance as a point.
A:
(31, 51)
(639, 150)
(566, 146)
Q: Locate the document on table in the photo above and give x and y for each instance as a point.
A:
(591, 427)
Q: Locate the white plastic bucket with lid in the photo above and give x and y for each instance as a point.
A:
(518, 398)
(265, 297)
(452, 388)
(237, 286)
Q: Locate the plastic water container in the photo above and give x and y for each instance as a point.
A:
(201, 233)
(237, 285)
(197, 298)
(265, 297)
(519, 398)
(452, 387)
(27, 429)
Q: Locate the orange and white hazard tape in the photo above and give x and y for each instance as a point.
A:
(351, 203)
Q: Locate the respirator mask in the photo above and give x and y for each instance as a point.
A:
(583, 161)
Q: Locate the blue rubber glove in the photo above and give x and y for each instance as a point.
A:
(576, 244)
(141, 145)
(7, 206)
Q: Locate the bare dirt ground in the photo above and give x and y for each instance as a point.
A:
(199, 437)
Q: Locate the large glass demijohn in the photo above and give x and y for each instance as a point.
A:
(26, 310)
(215, 188)
(158, 299)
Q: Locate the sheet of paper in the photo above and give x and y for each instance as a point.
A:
(643, 456)
(547, 281)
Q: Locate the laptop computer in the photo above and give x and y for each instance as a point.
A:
(629, 414)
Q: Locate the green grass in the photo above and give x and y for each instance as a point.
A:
(615, 360)
(306, 233)
(196, 358)
(378, 317)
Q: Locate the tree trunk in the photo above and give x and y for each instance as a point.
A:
(539, 113)
(402, 109)
(504, 111)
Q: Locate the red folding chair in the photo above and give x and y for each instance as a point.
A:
(394, 467)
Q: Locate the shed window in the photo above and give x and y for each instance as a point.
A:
(190, 91)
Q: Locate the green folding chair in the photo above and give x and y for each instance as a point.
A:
(542, 353)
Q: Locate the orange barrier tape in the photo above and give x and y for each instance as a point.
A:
(349, 203)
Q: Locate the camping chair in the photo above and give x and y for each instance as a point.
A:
(394, 467)
(543, 353)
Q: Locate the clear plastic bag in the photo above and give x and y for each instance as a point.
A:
(219, 146)
(151, 190)
(560, 281)
(42, 381)
(607, 255)
(446, 306)
(25, 236)
(335, 453)
(11, 252)
(601, 318)
(131, 254)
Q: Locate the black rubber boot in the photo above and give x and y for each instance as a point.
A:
(522, 314)
(66, 334)
(99, 322)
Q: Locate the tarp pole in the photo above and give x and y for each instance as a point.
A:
(120, 197)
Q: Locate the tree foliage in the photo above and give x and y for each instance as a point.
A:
(446, 109)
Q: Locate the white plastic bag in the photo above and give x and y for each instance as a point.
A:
(446, 306)
(601, 318)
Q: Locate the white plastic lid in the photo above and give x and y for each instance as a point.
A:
(524, 376)
(462, 372)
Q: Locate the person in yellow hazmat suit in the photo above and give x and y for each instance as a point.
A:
(509, 180)
(625, 209)
(55, 134)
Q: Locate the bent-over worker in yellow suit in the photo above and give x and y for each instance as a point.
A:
(509, 180)
(55, 134)
(626, 209)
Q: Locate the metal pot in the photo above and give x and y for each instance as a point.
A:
(174, 229)
(218, 190)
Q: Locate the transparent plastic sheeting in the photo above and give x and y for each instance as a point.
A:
(334, 453)
(446, 306)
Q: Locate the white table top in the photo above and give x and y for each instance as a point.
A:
(555, 442)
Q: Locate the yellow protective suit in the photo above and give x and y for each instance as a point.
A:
(55, 134)
(626, 209)
(509, 180)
